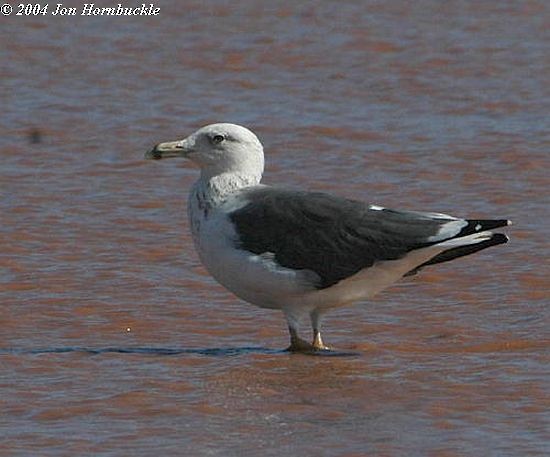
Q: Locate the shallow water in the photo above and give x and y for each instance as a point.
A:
(115, 341)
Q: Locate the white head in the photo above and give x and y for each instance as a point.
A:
(217, 149)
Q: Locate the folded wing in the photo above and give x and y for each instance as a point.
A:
(337, 237)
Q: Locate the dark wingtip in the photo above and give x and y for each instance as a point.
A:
(499, 238)
(153, 154)
(482, 225)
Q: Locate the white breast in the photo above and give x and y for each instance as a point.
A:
(254, 278)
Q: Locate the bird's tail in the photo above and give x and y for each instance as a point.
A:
(472, 238)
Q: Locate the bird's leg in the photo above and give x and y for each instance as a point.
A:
(318, 344)
(297, 344)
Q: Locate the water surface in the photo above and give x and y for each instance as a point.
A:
(113, 338)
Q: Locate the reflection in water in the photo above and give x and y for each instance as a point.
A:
(221, 352)
(215, 352)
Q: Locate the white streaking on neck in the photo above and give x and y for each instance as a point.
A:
(216, 189)
(208, 194)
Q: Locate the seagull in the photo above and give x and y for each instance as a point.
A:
(300, 252)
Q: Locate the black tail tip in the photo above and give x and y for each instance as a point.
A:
(499, 238)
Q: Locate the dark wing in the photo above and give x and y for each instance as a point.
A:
(337, 237)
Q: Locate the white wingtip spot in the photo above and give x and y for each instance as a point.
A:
(509, 222)
(376, 207)
(478, 226)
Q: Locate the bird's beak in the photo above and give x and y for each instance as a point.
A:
(170, 149)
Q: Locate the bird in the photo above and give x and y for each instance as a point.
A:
(304, 252)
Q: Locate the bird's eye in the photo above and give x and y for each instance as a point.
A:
(217, 139)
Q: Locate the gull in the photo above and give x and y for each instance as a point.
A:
(300, 252)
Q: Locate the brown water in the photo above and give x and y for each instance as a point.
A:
(114, 340)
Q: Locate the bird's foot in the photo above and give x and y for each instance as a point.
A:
(321, 347)
(301, 346)
(297, 344)
(318, 344)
